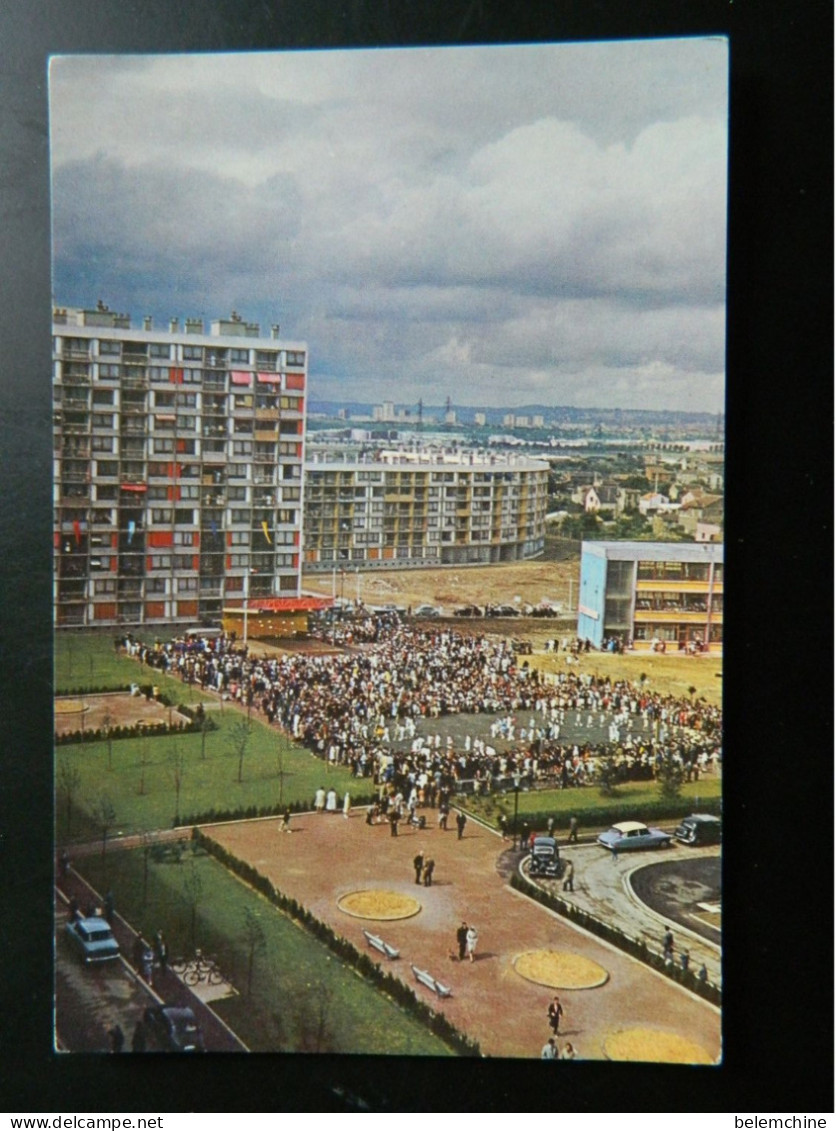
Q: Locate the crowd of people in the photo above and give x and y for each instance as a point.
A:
(375, 709)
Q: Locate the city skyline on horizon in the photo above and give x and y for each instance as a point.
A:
(538, 223)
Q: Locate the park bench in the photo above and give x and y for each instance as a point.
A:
(377, 942)
(426, 979)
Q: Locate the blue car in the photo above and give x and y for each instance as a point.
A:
(630, 835)
(92, 939)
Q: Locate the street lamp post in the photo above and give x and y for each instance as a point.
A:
(516, 805)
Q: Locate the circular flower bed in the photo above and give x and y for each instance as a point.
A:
(654, 1045)
(378, 904)
(560, 969)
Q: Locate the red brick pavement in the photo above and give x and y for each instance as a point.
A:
(328, 856)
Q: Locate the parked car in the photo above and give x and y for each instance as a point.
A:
(92, 939)
(174, 1028)
(629, 835)
(545, 857)
(700, 828)
(502, 611)
(467, 611)
(426, 611)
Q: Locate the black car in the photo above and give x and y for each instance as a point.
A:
(174, 1028)
(700, 828)
(545, 857)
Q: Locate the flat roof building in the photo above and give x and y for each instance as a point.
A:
(409, 509)
(178, 467)
(663, 594)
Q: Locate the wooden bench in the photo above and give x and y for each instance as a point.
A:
(377, 942)
(426, 979)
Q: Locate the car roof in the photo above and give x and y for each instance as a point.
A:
(702, 817)
(93, 923)
(545, 840)
(629, 826)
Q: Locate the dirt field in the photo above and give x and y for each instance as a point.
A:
(327, 857)
(454, 585)
(121, 708)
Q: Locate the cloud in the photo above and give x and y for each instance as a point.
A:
(545, 218)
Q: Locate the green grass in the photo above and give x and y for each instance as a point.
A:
(140, 780)
(632, 797)
(89, 661)
(296, 983)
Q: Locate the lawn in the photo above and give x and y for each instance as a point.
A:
(89, 661)
(139, 777)
(631, 801)
(665, 674)
(302, 999)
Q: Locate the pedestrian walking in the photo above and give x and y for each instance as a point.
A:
(418, 864)
(684, 959)
(667, 945)
(393, 822)
(285, 825)
(555, 1012)
(443, 814)
(569, 876)
(703, 974)
(471, 939)
(568, 1052)
(147, 964)
(525, 833)
(161, 950)
(573, 831)
(461, 940)
(461, 821)
(429, 868)
(549, 1050)
(117, 1038)
(503, 826)
(331, 801)
(319, 800)
(346, 805)
(550, 826)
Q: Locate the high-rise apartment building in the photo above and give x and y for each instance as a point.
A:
(405, 509)
(178, 468)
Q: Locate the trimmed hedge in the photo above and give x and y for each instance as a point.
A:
(637, 948)
(134, 730)
(219, 816)
(365, 966)
(606, 812)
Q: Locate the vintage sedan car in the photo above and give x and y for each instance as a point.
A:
(700, 828)
(174, 1028)
(630, 835)
(426, 611)
(467, 611)
(545, 857)
(92, 939)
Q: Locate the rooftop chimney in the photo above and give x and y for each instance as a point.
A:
(274, 331)
(147, 322)
(174, 325)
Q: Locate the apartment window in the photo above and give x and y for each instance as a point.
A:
(156, 585)
(160, 515)
(266, 359)
(242, 357)
(183, 516)
(112, 348)
(239, 561)
(158, 469)
(184, 537)
(161, 561)
(240, 538)
(190, 491)
(238, 470)
(161, 446)
(193, 376)
(107, 467)
(243, 400)
(239, 516)
(159, 349)
(159, 373)
(104, 586)
(164, 400)
(110, 371)
(188, 400)
(237, 494)
(103, 396)
(106, 494)
(193, 353)
(286, 515)
(186, 423)
(183, 561)
(291, 403)
(242, 447)
(157, 494)
(295, 357)
(243, 426)
(187, 585)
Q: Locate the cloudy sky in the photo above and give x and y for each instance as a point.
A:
(503, 225)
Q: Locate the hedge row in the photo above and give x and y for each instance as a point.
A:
(345, 950)
(134, 730)
(147, 690)
(605, 812)
(219, 816)
(637, 948)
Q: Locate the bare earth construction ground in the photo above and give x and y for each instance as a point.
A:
(328, 857)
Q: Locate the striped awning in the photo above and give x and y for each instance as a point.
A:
(239, 378)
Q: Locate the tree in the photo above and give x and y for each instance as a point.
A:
(69, 782)
(314, 1032)
(177, 762)
(192, 894)
(607, 776)
(255, 940)
(239, 740)
(107, 722)
(104, 816)
(670, 775)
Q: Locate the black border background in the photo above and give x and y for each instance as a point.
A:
(778, 897)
